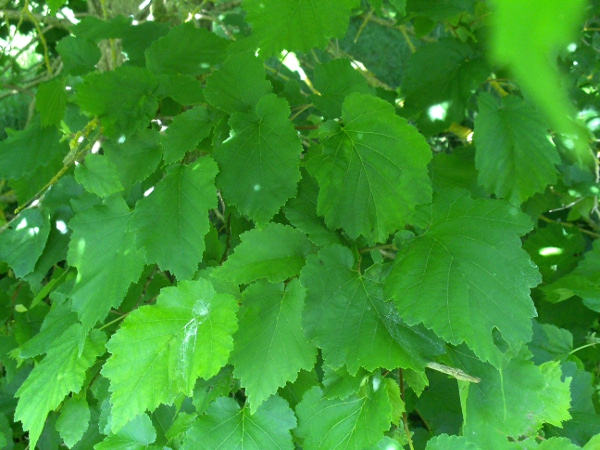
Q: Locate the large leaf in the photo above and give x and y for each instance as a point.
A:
(276, 252)
(107, 261)
(171, 222)
(186, 49)
(22, 244)
(347, 317)
(467, 274)
(355, 422)
(238, 85)
(297, 25)
(121, 114)
(60, 372)
(269, 347)
(160, 350)
(225, 425)
(512, 402)
(514, 155)
(372, 171)
(259, 163)
(441, 77)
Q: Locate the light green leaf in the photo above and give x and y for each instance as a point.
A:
(259, 164)
(138, 434)
(79, 55)
(121, 114)
(467, 274)
(276, 252)
(513, 401)
(171, 222)
(160, 350)
(135, 157)
(60, 372)
(185, 132)
(297, 25)
(103, 251)
(27, 150)
(334, 81)
(237, 85)
(51, 101)
(269, 347)
(445, 442)
(440, 78)
(23, 242)
(186, 49)
(514, 156)
(355, 422)
(55, 5)
(227, 426)
(583, 281)
(74, 420)
(372, 171)
(98, 175)
(533, 60)
(558, 443)
(347, 317)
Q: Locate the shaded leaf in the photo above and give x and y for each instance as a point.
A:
(185, 132)
(79, 55)
(98, 175)
(51, 101)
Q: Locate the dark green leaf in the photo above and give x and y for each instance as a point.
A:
(51, 101)
(185, 132)
(79, 55)
(98, 175)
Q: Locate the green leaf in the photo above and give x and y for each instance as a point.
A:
(29, 149)
(138, 434)
(237, 85)
(445, 442)
(533, 61)
(135, 157)
(185, 132)
(98, 175)
(297, 25)
(55, 5)
(23, 242)
(556, 443)
(121, 114)
(269, 347)
(225, 425)
(334, 81)
(515, 157)
(440, 78)
(107, 262)
(186, 49)
(467, 274)
(440, 9)
(184, 89)
(171, 222)
(276, 252)
(136, 40)
(160, 350)
(372, 171)
(79, 55)
(74, 420)
(259, 164)
(512, 402)
(347, 317)
(51, 101)
(60, 372)
(95, 29)
(354, 422)
(583, 281)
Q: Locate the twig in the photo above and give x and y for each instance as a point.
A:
(32, 17)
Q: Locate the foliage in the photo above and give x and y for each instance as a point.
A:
(307, 224)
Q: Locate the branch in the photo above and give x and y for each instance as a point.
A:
(40, 18)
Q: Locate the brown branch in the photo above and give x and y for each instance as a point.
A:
(41, 18)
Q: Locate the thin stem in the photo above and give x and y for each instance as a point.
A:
(300, 111)
(404, 415)
(36, 23)
(569, 225)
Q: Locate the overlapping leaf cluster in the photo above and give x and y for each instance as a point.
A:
(207, 246)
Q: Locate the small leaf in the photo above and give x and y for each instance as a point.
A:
(185, 132)
(514, 156)
(171, 222)
(51, 101)
(98, 175)
(445, 442)
(139, 433)
(79, 55)
(277, 252)
(225, 425)
(260, 163)
(60, 372)
(74, 420)
(358, 421)
(22, 244)
(269, 347)
(160, 350)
